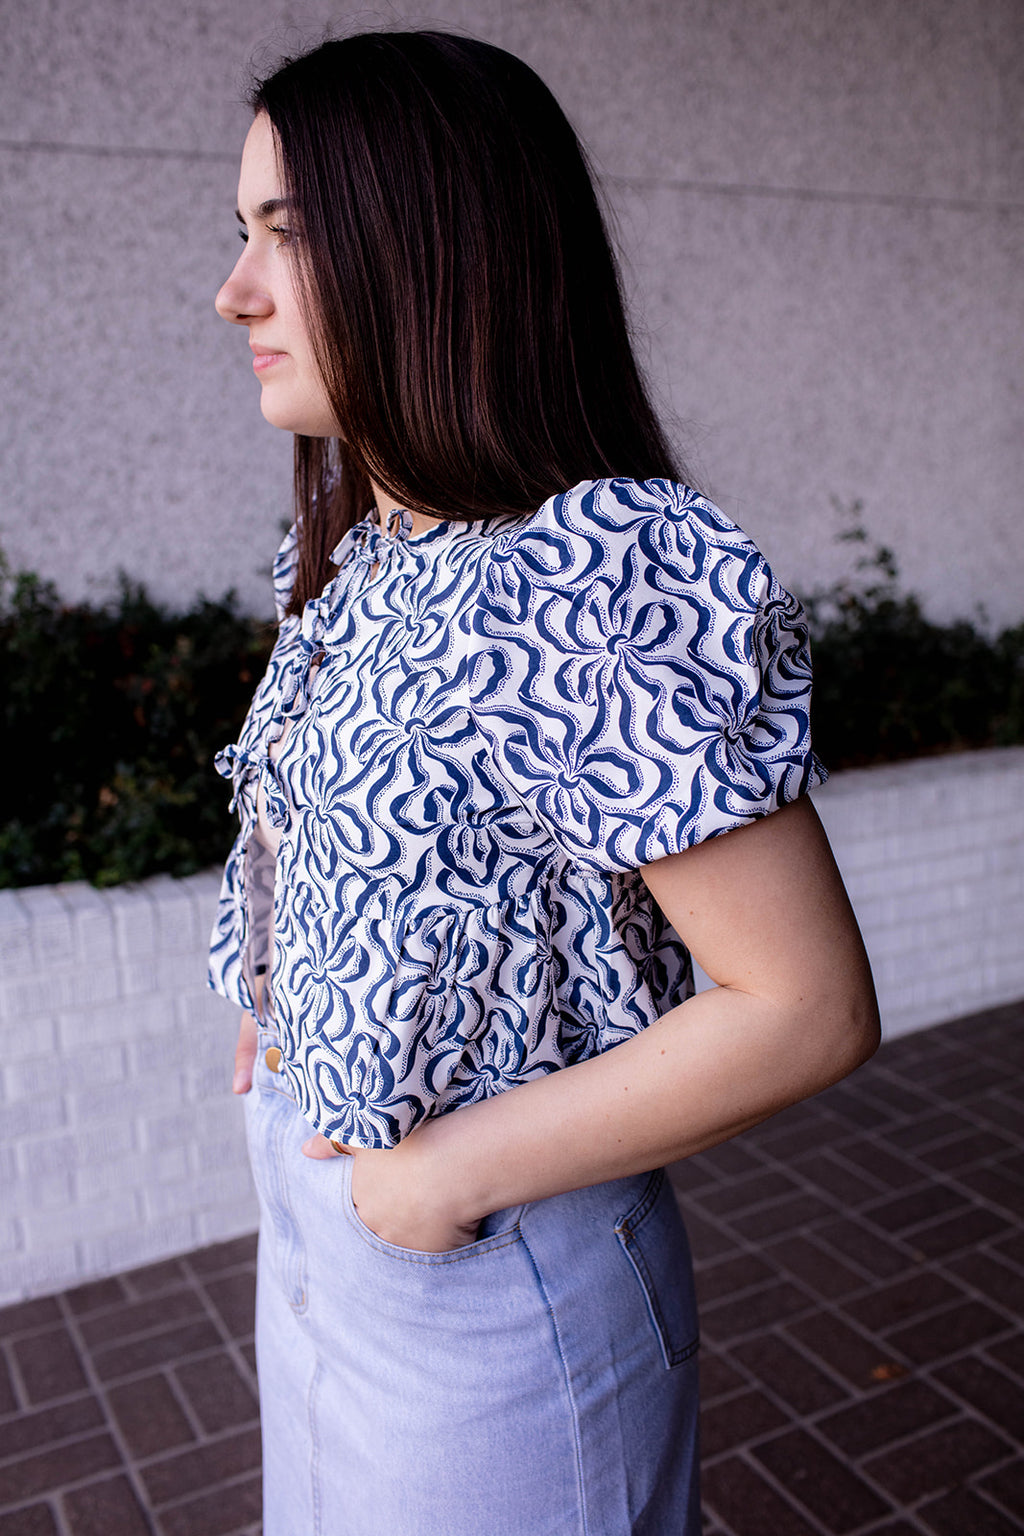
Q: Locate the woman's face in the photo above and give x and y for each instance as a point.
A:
(262, 293)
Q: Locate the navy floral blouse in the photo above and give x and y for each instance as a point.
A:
(493, 725)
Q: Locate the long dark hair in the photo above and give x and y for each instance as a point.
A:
(459, 285)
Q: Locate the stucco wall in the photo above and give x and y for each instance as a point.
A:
(821, 206)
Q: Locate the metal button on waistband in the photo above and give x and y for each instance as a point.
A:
(273, 1058)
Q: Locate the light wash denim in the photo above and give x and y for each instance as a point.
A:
(540, 1382)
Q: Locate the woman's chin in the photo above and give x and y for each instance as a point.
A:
(292, 418)
(277, 414)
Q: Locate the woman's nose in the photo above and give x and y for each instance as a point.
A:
(240, 299)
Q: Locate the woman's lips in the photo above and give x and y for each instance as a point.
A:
(263, 359)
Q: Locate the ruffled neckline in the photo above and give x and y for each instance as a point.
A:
(372, 538)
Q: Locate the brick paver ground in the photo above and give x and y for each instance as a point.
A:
(861, 1268)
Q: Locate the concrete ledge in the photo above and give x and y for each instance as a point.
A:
(122, 1143)
(932, 853)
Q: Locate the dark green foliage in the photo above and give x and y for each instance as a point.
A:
(889, 684)
(111, 717)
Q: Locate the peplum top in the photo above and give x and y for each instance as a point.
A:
(490, 727)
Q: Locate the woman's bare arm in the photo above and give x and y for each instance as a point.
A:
(764, 911)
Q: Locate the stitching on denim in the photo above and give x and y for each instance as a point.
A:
(431, 1260)
(682, 1355)
(391, 1251)
(639, 1262)
(626, 1229)
(639, 1212)
(282, 1093)
(287, 1234)
(314, 1460)
(268, 1081)
(585, 1524)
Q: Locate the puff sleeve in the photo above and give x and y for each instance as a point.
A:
(641, 678)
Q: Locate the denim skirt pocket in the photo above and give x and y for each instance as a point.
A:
(498, 1231)
(651, 1233)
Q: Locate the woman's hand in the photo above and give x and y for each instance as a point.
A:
(245, 1054)
(394, 1190)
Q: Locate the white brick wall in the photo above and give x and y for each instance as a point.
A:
(121, 1143)
(932, 853)
(120, 1140)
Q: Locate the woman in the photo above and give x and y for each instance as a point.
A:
(525, 682)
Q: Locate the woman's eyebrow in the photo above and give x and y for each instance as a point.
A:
(265, 210)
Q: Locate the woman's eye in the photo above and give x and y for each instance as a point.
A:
(283, 235)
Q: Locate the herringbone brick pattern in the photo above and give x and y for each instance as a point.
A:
(861, 1266)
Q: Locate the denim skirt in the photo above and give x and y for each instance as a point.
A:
(540, 1382)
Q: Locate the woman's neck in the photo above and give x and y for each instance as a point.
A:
(386, 505)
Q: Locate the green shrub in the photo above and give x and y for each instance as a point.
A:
(111, 717)
(890, 684)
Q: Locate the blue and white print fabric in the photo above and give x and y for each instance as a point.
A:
(504, 721)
